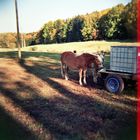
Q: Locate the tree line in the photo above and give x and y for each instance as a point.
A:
(119, 22)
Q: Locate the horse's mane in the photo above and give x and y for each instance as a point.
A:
(88, 55)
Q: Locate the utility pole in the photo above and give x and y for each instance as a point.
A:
(18, 34)
(23, 40)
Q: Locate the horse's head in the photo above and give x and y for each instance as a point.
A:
(101, 56)
(99, 60)
(97, 65)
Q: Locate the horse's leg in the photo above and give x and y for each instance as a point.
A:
(80, 76)
(85, 82)
(66, 72)
(62, 70)
(94, 73)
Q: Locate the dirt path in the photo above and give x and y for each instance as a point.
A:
(35, 95)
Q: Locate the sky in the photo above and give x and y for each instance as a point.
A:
(33, 14)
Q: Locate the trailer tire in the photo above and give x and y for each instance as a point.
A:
(114, 84)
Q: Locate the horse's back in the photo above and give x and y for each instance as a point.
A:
(67, 53)
(67, 56)
(70, 59)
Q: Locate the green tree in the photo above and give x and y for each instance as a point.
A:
(49, 32)
(61, 30)
(74, 29)
(118, 22)
(111, 25)
(130, 19)
(87, 28)
(38, 38)
(90, 26)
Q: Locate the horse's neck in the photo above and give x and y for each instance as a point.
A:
(92, 62)
(91, 59)
(75, 57)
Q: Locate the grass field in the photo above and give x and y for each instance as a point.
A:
(37, 104)
(90, 46)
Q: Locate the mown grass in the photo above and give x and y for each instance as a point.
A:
(82, 114)
(41, 52)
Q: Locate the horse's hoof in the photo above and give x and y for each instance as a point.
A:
(66, 78)
(95, 81)
(80, 84)
(85, 83)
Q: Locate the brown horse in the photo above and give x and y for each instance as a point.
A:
(81, 63)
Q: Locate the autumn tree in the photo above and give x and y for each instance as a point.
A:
(8, 40)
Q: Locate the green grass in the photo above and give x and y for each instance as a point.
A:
(80, 47)
(89, 46)
(30, 55)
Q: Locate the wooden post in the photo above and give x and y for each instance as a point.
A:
(18, 34)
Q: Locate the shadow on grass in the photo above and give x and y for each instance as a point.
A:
(64, 120)
(14, 54)
(101, 112)
(76, 117)
(10, 129)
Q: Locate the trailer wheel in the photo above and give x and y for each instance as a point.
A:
(114, 83)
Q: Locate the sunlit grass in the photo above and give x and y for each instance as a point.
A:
(89, 46)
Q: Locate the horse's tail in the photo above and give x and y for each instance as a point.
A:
(62, 69)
